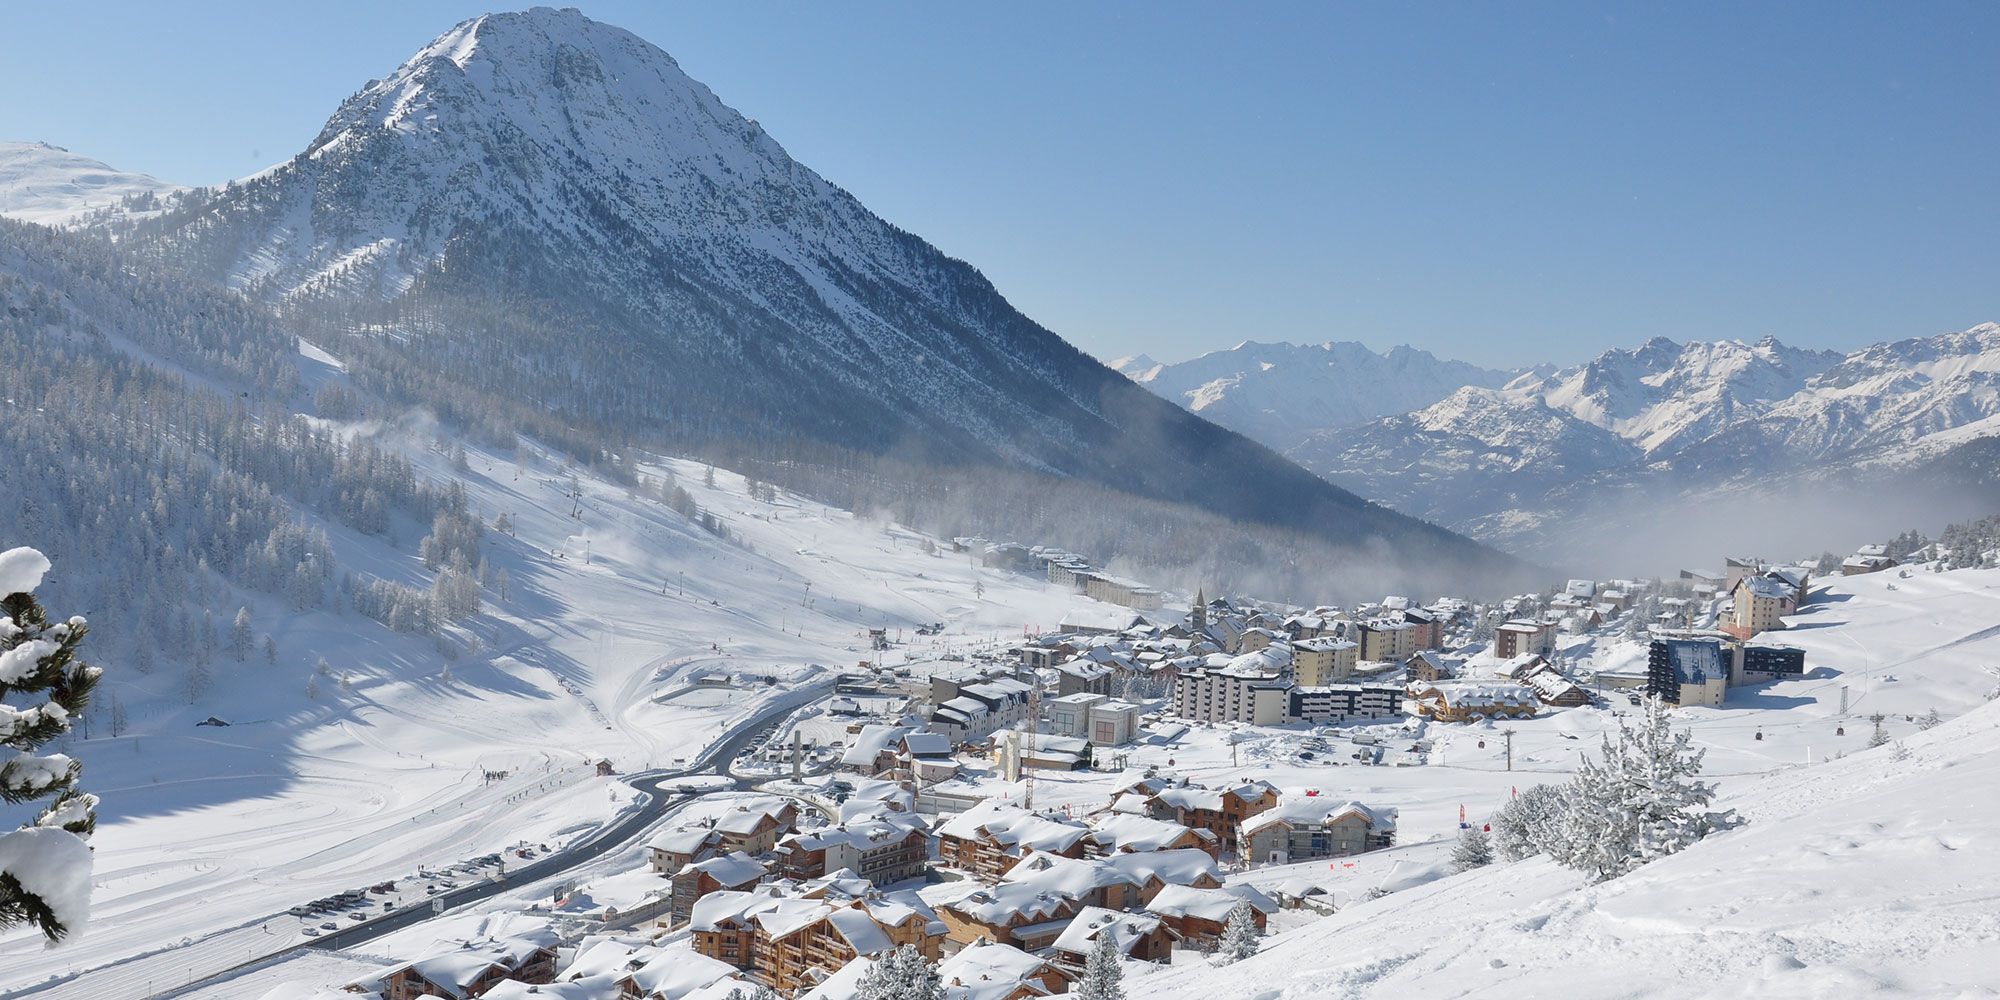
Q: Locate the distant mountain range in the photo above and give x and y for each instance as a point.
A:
(539, 223)
(1560, 455)
(1281, 394)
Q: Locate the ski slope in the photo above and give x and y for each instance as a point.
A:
(207, 831)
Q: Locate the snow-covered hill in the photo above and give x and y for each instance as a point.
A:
(564, 216)
(52, 186)
(1281, 393)
(1866, 876)
(614, 605)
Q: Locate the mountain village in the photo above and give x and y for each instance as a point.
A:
(1004, 811)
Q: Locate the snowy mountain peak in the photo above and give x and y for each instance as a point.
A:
(572, 219)
(53, 186)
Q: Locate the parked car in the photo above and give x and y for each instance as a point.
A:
(329, 926)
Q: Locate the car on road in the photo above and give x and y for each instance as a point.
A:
(357, 916)
(329, 926)
(312, 932)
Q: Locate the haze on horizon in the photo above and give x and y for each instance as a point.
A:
(1501, 187)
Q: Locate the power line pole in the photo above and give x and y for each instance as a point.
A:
(1509, 734)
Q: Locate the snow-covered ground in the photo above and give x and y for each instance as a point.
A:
(205, 830)
(1866, 876)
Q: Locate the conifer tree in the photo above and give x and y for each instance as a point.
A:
(240, 635)
(1101, 971)
(1520, 825)
(1473, 850)
(1240, 936)
(1642, 801)
(902, 974)
(45, 865)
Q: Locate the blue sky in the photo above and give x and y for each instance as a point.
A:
(1503, 183)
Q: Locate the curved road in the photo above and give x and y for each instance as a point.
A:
(656, 802)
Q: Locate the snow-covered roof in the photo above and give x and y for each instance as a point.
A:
(1012, 902)
(860, 931)
(1309, 810)
(1208, 904)
(1324, 644)
(1013, 826)
(789, 915)
(1183, 866)
(746, 818)
(714, 910)
(676, 972)
(990, 971)
(732, 870)
(1073, 877)
(1125, 929)
(682, 840)
(1197, 797)
(1126, 832)
(1477, 693)
(927, 744)
(873, 739)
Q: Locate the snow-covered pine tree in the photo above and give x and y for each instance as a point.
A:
(240, 635)
(1641, 802)
(312, 686)
(270, 650)
(1102, 974)
(902, 974)
(1240, 936)
(198, 679)
(1929, 720)
(1522, 827)
(1880, 736)
(45, 865)
(1473, 850)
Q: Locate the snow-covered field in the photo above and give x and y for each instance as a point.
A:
(1865, 876)
(205, 830)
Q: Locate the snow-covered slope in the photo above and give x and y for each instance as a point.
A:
(1281, 393)
(614, 605)
(571, 219)
(1866, 876)
(52, 186)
